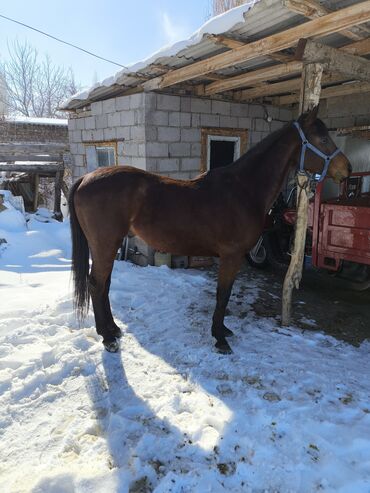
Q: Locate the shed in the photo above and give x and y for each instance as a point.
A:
(229, 85)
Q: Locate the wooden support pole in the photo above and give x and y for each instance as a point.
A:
(310, 97)
(36, 193)
(57, 198)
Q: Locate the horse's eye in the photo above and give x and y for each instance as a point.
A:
(324, 140)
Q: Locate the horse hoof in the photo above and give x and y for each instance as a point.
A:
(111, 346)
(227, 332)
(223, 347)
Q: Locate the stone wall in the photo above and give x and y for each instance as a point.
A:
(160, 132)
(13, 131)
(343, 112)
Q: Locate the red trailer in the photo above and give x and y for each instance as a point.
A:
(338, 236)
(341, 226)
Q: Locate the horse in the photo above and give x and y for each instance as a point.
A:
(220, 213)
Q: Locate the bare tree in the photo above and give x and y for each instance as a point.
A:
(220, 6)
(35, 87)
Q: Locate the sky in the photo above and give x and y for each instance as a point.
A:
(120, 30)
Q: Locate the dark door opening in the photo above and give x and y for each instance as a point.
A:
(221, 153)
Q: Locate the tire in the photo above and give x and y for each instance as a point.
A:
(258, 257)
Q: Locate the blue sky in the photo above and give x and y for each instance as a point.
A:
(123, 31)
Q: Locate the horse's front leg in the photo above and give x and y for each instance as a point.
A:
(229, 267)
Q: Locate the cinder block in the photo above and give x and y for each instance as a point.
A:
(238, 109)
(114, 119)
(138, 133)
(200, 105)
(110, 133)
(168, 165)
(190, 135)
(261, 125)
(124, 133)
(136, 101)
(196, 150)
(109, 105)
(80, 124)
(276, 125)
(123, 103)
(157, 118)
(97, 108)
(157, 149)
(98, 135)
(190, 164)
(183, 175)
(151, 133)
(101, 121)
(221, 108)
(72, 124)
(195, 120)
(185, 104)
(228, 122)
(130, 149)
(174, 119)
(209, 120)
(255, 137)
(285, 114)
(150, 101)
(127, 117)
(79, 160)
(138, 162)
(140, 116)
(121, 148)
(256, 111)
(244, 122)
(179, 149)
(167, 102)
(168, 134)
(141, 150)
(87, 135)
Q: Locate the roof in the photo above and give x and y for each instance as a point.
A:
(37, 121)
(239, 30)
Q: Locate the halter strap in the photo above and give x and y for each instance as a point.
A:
(307, 145)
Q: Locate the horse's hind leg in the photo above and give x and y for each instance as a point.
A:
(99, 283)
(229, 267)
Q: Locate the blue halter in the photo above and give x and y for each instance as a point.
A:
(307, 145)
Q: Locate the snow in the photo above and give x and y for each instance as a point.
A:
(216, 25)
(289, 411)
(37, 120)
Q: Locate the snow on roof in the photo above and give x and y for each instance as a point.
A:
(37, 121)
(216, 25)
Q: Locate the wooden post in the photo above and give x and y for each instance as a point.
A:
(36, 193)
(310, 97)
(57, 197)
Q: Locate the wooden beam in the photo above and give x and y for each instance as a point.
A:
(355, 14)
(309, 99)
(276, 71)
(329, 92)
(334, 60)
(32, 168)
(254, 77)
(313, 9)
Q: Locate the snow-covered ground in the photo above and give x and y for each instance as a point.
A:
(287, 412)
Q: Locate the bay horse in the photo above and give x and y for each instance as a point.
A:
(220, 213)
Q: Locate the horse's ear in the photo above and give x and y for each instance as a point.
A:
(309, 116)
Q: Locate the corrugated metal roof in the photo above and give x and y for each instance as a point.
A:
(264, 18)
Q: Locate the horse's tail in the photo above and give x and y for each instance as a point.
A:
(80, 259)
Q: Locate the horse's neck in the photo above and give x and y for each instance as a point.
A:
(267, 172)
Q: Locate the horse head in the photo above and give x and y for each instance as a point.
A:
(315, 137)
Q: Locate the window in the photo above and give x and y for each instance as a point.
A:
(101, 154)
(222, 146)
(105, 155)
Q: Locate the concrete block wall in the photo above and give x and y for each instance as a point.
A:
(120, 120)
(348, 111)
(162, 133)
(173, 129)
